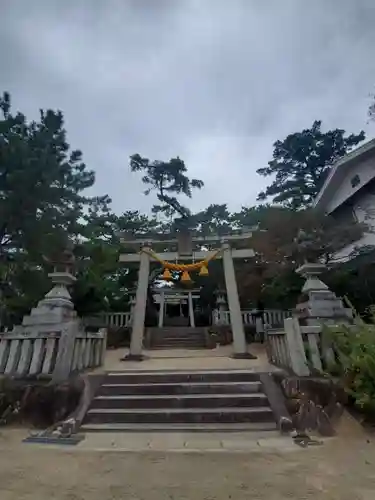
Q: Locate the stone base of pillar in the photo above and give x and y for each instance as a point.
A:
(243, 355)
(134, 357)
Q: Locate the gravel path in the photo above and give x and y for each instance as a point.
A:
(342, 469)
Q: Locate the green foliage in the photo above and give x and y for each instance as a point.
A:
(256, 216)
(166, 178)
(301, 163)
(285, 239)
(136, 224)
(43, 207)
(215, 219)
(281, 290)
(41, 182)
(289, 237)
(22, 285)
(355, 279)
(41, 201)
(355, 348)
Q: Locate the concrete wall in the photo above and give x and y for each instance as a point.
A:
(366, 172)
(360, 207)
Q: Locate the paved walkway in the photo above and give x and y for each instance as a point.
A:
(188, 359)
(188, 442)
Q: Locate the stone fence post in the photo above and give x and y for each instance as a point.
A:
(296, 347)
(65, 352)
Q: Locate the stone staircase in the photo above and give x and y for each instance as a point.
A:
(180, 401)
(183, 337)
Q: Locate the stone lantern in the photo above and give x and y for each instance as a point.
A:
(221, 302)
(318, 303)
(62, 277)
(56, 307)
(63, 263)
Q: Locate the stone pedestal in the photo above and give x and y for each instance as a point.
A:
(318, 302)
(56, 307)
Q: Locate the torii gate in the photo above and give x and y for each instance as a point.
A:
(227, 254)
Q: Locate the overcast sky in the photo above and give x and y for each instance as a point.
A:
(215, 82)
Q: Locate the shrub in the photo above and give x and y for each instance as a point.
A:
(354, 346)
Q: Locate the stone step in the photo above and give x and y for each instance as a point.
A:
(177, 340)
(182, 401)
(179, 344)
(182, 416)
(181, 377)
(207, 400)
(175, 345)
(177, 337)
(177, 329)
(169, 337)
(165, 388)
(268, 428)
(183, 335)
(174, 335)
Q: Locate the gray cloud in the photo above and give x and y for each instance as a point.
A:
(213, 81)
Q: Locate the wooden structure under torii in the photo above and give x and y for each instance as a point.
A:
(185, 253)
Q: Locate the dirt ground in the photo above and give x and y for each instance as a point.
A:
(342, 468)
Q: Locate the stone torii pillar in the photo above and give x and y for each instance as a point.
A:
(161, 309)
(136, 343)
(239, 339)
(191, 310)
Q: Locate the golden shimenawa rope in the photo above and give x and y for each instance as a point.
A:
(182, 267)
